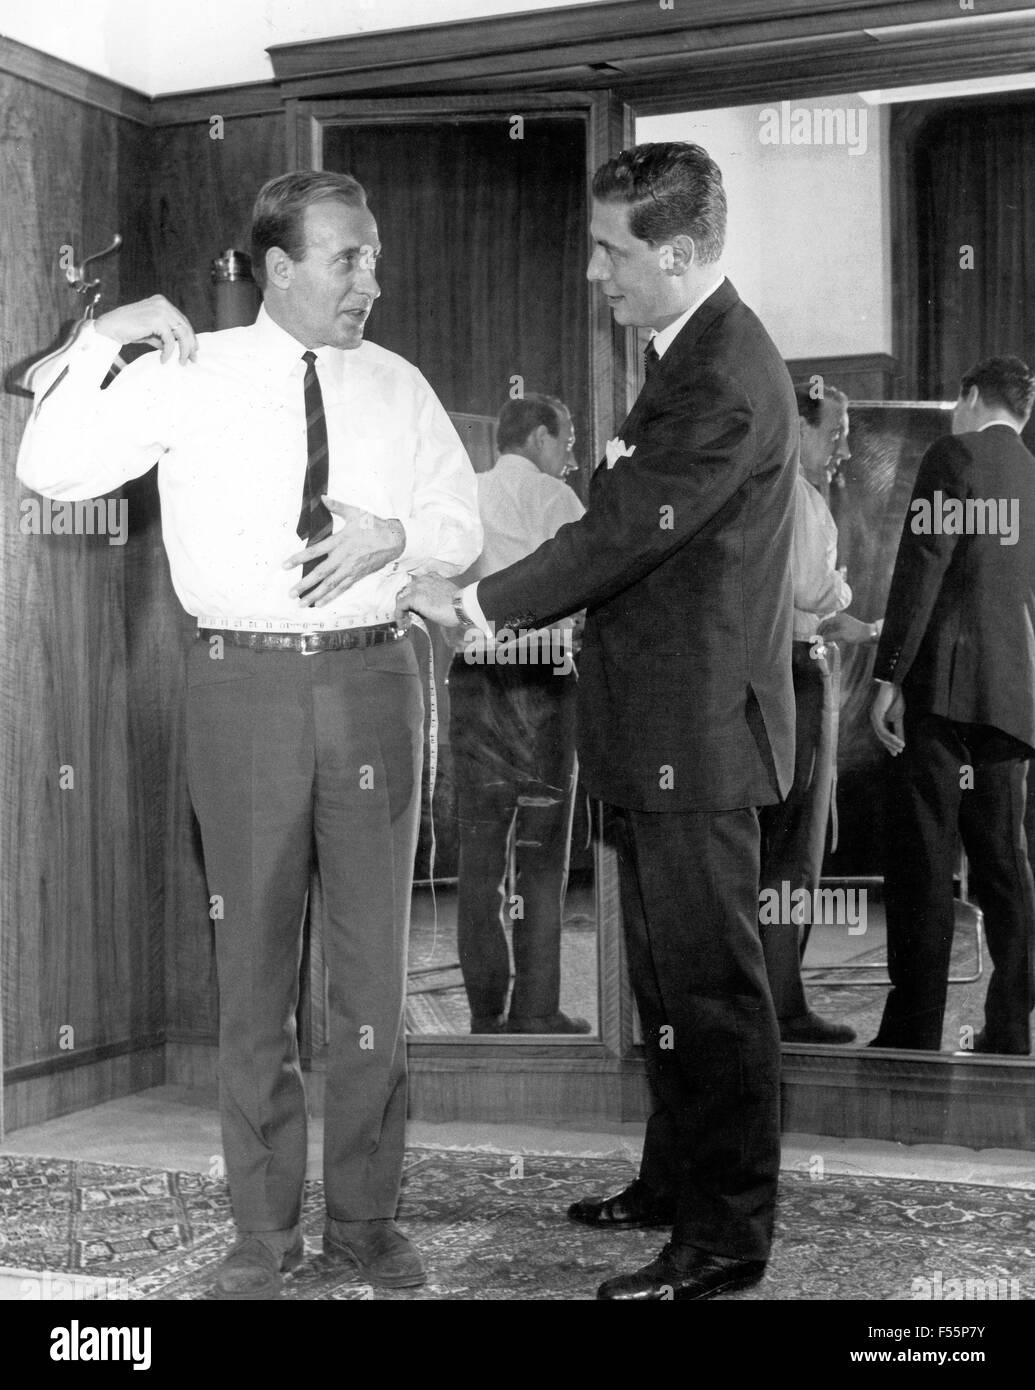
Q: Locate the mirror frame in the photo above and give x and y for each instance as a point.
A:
(908, 1097)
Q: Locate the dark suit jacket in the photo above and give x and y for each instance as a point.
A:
(683, 564)
(959, 629)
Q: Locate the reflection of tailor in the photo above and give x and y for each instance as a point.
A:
(822, 906)
(977, 516)
(91, 516)
(525, 647)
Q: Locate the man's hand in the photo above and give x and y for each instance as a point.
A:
(432, 597)
(364, 544)
(842, 627)
(886, 717)
(155, 321)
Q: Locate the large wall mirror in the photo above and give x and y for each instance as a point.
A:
(850, 216)
(483, 218)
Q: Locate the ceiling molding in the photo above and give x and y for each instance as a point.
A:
(590, 44)
(56, 75)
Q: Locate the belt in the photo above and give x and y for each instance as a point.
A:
(309, 643)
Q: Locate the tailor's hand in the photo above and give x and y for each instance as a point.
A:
(154, 321)
(364, 544)
(431, 596)
(842, 627)
(886, 718)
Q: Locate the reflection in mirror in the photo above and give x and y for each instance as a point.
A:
(483, 288)
(511, 948)
(810, 250)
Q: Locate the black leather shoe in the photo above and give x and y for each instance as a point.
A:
(378, 1249)
(683, 1274)
(982, 1044)
(633, 1208)
(554, 1023)
(810, 1028)
(488, 1023)
(253, 1269)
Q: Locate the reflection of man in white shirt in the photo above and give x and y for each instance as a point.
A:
(794, 832)
(303, 475)
(512, 732)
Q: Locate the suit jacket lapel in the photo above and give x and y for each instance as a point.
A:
(673, 364)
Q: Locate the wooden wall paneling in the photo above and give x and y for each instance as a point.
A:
(868, 376)
(201, 194)
(81, 946)
(202, 191)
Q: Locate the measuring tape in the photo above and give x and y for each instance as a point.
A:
(417, 621)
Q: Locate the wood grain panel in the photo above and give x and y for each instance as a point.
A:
(82, 941)
(202, 191)
(201, 195)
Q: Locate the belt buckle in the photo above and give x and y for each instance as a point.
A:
(304, 650)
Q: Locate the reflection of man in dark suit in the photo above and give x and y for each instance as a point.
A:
(956, 709)
(686, 713)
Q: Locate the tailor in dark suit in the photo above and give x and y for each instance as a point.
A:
(959, 639)
(685, 726)
(685, 704)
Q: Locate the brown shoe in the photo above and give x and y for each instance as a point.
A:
(379, 1250)
(253, 1269)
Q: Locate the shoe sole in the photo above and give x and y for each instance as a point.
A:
(346, 1254)
(744, 1281)
(271, 1290)
(660, 1222)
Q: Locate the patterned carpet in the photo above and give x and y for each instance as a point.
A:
(491, 1227)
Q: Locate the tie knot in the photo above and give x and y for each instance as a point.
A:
(309, 358)
(650, 358)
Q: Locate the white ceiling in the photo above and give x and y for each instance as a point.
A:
(159, 46)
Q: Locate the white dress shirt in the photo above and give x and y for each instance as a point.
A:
(228, 432)
(820, 590)
(520, 508)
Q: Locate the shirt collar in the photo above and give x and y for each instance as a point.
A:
(516, 462)
(981, 428)
(663, 341)
(279, 350)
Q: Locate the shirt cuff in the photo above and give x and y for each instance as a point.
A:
(473, 609)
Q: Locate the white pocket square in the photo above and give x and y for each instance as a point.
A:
(616, 449)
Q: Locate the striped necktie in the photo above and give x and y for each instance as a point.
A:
(314, 520)
(650, 360)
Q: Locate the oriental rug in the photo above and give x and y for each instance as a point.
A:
(491, 1226)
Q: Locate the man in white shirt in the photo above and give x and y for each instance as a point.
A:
(794, 832)
(290, 443)
(512, 731)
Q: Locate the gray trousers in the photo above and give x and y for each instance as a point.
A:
(294, 759)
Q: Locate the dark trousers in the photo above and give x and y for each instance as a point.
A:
(293, 757)
(512, 732)
(928, 805)
(689, 889)
(794, 831)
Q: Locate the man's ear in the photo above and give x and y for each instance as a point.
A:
(676, 255)
(279, 267)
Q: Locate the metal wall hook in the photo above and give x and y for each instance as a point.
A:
(76, 276)
(90, 290)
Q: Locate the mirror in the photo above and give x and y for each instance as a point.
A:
(820, 191)
(491, 304)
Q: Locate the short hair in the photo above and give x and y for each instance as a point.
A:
(278, 217)
(810, 404)
(672, 189)
(1002, 381)
(520, 417)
